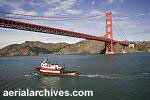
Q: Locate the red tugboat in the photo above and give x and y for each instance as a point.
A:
(53, 70)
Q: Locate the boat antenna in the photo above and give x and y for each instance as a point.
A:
(46, 57)
(64, 66)
(57, 61)
(48, 60)
(51, 60)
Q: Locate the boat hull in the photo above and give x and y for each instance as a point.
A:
(64, 73)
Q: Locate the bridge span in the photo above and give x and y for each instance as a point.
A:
(13, 24)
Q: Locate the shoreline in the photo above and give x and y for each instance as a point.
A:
(75, 54)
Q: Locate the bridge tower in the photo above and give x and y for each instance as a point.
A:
(109, 45)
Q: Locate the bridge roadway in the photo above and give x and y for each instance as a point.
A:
(7, 23)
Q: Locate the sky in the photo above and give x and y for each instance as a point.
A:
(133, 17)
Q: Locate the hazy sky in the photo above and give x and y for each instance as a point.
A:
(133, 17)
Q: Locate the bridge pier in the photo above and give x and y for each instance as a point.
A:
(109, 48)
(109, 45)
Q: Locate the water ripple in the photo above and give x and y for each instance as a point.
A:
(118, 76)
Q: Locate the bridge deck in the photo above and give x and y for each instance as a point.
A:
(6, 23)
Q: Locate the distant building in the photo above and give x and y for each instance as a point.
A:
(131, 45)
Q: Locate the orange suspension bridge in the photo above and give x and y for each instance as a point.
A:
(10, 22)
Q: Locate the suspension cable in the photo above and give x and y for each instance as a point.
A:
(49, 19)
(119, 27)
(56, 17)
(117, 32)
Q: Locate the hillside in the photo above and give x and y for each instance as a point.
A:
(31, 48)
(83, 47)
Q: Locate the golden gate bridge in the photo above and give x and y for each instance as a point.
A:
(10, 22)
